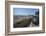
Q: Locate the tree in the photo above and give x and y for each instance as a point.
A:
(37, 13)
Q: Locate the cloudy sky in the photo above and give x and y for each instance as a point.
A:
(24, 11)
